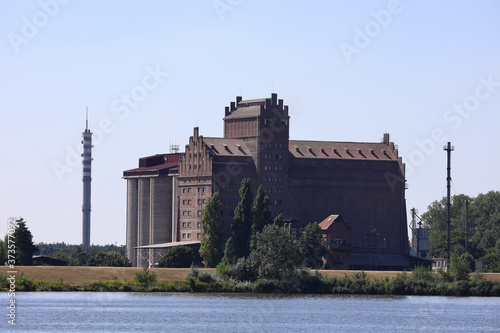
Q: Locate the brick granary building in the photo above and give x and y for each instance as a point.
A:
(307, 181)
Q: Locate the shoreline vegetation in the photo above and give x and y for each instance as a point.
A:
(126, 279)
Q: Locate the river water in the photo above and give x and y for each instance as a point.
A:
(193, 312)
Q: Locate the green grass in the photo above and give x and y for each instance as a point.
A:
(421, 282)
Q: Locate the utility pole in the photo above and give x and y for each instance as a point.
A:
(449, 148)
(414, 240)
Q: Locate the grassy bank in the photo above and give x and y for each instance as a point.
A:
(45, 278)
(78, 275)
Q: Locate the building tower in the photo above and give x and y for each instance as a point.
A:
(87, 165)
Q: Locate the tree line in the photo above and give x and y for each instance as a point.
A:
(18, 248)
(481, 240)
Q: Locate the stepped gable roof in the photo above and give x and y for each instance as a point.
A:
(342, 150)
(227, 147)
(326, 223)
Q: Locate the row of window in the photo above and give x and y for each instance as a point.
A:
(231, 212)
(270, 179)
(194, 155)
(277, 202)
(189, 224)
(276, 145)
(189, 189)
(189, 213)
(270, 190)
(237, 200)
(188, 235)
(276, 121)
(189, 202)
(270, 168)
(270, 156)
(194, 166)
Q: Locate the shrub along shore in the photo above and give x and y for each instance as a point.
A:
(419, 282)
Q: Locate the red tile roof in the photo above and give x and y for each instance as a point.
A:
(326, 223)
(226, 147)
(309, 149)
(341, 150)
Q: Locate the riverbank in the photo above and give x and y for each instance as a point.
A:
(78, 275)
(76, 278)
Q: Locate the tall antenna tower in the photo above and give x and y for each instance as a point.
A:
(87, 179)
(449, 148)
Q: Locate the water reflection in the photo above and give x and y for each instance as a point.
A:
(190, 312)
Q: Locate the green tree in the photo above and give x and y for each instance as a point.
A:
(485, 217)
(278, 220)
(242, 223)
(483, 228)
(435, 219)
(61, 256)
(212, 237)
(78, 257)
(230, 256)
(3, 250)
(311, 245)
(276, 254)
(115, 259)
(261, 215)
(177, 257)
(25, 248)
(492, 259)
(49, 248)
(462, 266)
(108, 259)
(97, 259)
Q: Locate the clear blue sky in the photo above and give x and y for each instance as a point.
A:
(349, 71)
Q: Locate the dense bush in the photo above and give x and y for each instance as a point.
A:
(462, 266)
(202, 276)
(492, 259)
(421, 282)
(109, 259)
(245, 269)
(177, 257)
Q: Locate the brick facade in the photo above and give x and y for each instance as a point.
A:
(306, 181)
